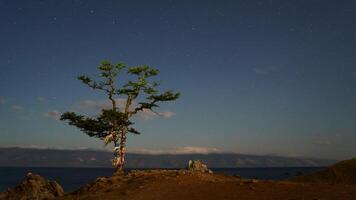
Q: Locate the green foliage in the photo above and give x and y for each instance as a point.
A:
(113, 124)
(99, 127)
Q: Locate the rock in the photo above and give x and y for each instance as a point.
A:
(198, 166)
(101, 179)
(237, 176)
(34, 187)
(249, 181)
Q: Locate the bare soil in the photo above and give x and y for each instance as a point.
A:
(184, 185)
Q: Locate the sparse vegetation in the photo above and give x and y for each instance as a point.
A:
(112, 125)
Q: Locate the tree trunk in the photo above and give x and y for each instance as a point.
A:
(122, 150)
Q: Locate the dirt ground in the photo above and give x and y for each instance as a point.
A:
(183, 185)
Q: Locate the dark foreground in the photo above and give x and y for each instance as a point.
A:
(72, 179)
(178, 185)
(182, 184)
(337, 182)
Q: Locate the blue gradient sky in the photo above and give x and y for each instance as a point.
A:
(264, 77)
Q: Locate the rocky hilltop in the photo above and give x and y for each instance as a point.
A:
(195, 182)
(343, 172)
(34, 187)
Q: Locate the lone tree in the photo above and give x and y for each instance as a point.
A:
(113, 125)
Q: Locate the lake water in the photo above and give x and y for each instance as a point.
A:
(73, 178)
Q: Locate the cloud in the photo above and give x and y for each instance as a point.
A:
(166, 114)
(17, 108)
(41, 99)
(323, 142)
(328, 140)
(54, 114)
(146, 114)
(34, 146)
(94, 107)
(97, 106)
(176, 150)
(149, 115)
(2, 100)
(179, 150)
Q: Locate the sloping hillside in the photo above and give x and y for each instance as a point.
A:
(343, 172)
(177, 185)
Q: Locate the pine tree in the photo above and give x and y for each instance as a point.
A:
(113, 125)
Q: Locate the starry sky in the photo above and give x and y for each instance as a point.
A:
(269, 77)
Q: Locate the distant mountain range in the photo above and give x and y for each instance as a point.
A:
(95, 158)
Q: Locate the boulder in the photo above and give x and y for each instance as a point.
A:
(198, 166)
(34, 187)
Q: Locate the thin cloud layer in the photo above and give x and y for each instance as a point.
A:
(97, 106)
(33, 146)
(166, 114)
(17, 108)
(179, 150)
(41, 99)
(176, 150)
(2, 100)
(54, 114)
(328, 140)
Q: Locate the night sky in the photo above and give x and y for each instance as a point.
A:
(269, 77)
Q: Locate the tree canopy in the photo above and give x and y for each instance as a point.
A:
(139, 93)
